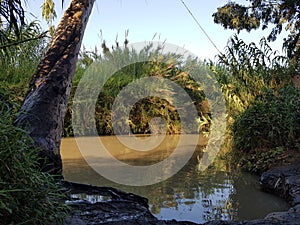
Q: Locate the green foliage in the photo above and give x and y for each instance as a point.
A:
(263, 107)
(260, 161)
(27, 195)
(12, 39)
(49, 14)
(13, 22)
(159, 65)
(269, 123)
(17, 65)
(246, 71)
(279, 14)
(12, 15)
(235, 16)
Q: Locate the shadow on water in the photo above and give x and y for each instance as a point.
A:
(216, 193)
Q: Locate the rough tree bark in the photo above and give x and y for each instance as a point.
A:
(43, 110)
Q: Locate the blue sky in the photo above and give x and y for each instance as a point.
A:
(168, 19)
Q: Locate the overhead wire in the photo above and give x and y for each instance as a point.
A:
(199, 25)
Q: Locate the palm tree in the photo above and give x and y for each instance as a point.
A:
(42, 113)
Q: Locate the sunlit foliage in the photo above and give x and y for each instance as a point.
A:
(263, 106)
(278, 15)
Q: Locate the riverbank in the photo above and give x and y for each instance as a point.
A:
(114, 207)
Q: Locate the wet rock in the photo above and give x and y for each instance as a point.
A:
(110, 207)
(284, 216)
(156, 222)
(253, 222)
(296, 208)
(112, 212)
(108, 192)
(296, 201)
(221, 223)
(283, 181)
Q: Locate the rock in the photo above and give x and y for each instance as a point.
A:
(111, 193)
(114, 207)
(156, 222)
(293, 186)
(112, 212)
(284, 181)
(296, 208)
(284, 216)
(253, 222)
(111, 207)
(296, 201)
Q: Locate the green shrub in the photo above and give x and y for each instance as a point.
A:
(246, 71)
(159, 65)
(27, 195)
(258, 161)
(263, 107)
(270, 124)
(17, 65)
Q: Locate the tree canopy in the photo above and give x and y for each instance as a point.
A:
(12, 15)
(278, 15)
(16, 29)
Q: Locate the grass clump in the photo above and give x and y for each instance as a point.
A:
(27, 195)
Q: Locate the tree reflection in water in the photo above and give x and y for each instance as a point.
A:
(216, 193)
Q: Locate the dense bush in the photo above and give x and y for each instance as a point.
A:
(27, 195)
(267, 129)
(160, 65)
(246, 71)
(263, 106)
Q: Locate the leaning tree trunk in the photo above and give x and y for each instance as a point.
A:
(43, 110)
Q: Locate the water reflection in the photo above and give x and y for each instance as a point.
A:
(216, 193)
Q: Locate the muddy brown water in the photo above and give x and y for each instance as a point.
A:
(190, 194)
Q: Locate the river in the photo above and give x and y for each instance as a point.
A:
(191, 194)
